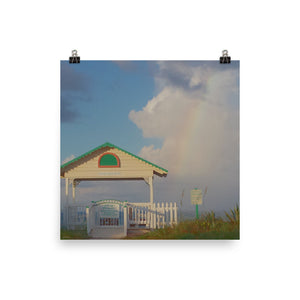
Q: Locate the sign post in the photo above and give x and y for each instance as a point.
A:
(196, 199)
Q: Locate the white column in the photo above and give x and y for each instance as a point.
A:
(66, 206)
(125, 219)
(87, 210)
(151, 189)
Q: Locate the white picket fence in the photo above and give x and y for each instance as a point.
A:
(131, 216)
(74, 216)
(157, 215)
(164, 214)
(138, 214)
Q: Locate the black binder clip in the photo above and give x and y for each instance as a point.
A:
(225, 59)
(74, 59)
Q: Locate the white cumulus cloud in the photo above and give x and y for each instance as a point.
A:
(196, 113)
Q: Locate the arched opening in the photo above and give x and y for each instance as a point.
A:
(109, 160)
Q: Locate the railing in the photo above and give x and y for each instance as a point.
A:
(164, 214)
(139, 214)
(76, 216)
(131, 215)
(157, 215)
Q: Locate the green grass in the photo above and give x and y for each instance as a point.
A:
(189, 230)
(73, 234)
(207, 227)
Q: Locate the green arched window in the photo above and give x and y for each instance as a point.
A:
(109, 160)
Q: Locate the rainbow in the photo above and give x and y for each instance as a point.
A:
(184, 137)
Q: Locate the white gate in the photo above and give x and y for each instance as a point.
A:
(107, 219)
(112, 218)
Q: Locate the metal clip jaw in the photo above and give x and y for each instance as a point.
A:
(74, 59)
(225, 59)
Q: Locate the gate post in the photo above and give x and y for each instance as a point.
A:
(125, 219)
(154, 216)
(87, 210)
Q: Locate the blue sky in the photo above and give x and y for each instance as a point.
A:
(96, 98)
(181, 115)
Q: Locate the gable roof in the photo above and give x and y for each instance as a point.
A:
(110, 146)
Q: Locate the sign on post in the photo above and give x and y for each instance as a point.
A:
(196, 197)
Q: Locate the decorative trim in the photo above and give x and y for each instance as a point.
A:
(76, 182)
(110, 146)
(109, 153)
(108, 201)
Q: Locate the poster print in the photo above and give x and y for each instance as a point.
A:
(154, 145)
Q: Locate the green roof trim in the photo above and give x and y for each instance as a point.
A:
(110, 146)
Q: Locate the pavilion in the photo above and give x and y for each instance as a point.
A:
(110, 162)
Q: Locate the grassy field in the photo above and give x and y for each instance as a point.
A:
(194, 229)
(207, 227)
(73, 234)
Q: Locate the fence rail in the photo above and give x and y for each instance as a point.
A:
(156, 215)
(131, 215)
(74, 216)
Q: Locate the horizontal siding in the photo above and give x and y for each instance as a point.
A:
(124, 164)
(129, 167)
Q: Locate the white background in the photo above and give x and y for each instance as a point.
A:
(35, 36)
